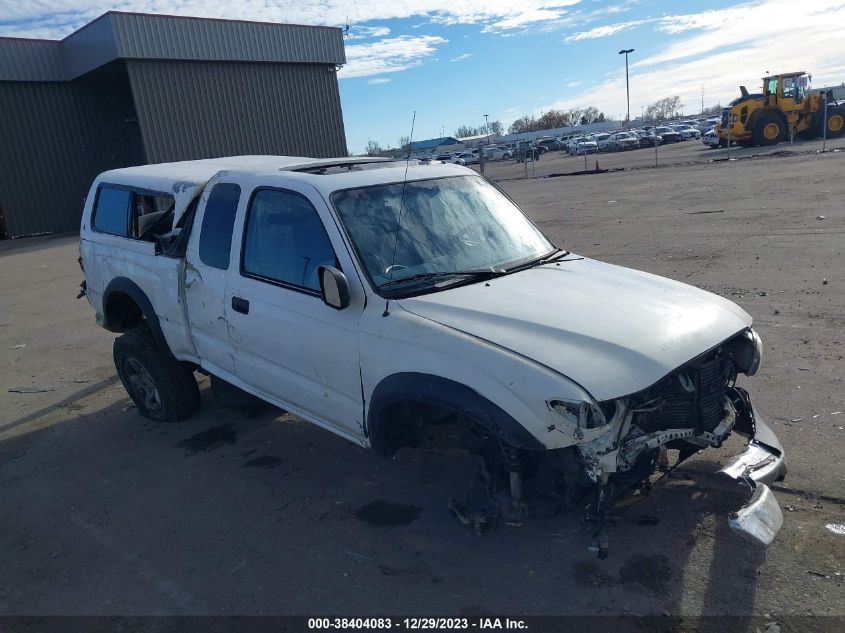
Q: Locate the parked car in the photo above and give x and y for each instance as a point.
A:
(582, 145)
(601, 140)
(450, 158)
(710, 138)
(468, 157)
(647, 138)
(551, 144)
(667, 134)
(687, 133)
(622, 141)
(527, 151)
(405, 301)
(497, 153)
(708, 124)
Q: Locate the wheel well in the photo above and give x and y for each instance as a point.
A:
(422, 425)
(122, 313)
(405, 407)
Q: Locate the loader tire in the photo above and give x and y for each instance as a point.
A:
(163, 388)
(769, 130)
(835, 122)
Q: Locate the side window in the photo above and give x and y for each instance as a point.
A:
(285, 240)
(217, 223)
(112, 212)
(151, 214)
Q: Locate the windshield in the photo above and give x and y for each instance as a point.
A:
(448, 224)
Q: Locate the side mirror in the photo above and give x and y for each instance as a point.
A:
(334, 287)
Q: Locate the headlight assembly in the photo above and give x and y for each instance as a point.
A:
(585, 415)
(756, 352)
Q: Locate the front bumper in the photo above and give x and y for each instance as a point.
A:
(762, 464)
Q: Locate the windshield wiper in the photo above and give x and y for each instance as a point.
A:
(487, 274)
(556, 254)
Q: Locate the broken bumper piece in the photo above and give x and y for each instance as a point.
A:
(759, 466)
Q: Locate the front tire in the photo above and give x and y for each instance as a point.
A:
(163, 388)
(769, 130)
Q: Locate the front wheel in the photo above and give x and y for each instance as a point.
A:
(769, 130)
(163, 388)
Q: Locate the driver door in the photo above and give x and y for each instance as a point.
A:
(295, 348)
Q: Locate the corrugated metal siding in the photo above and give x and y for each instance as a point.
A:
(30, 60)
(168, 37)
(90, 47)
(190, 110)
(138, 36)
(56, 137)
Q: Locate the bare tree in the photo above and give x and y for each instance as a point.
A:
(591, 114)
(373, 148)
(527, 123)
(664, 109)
(404, 144)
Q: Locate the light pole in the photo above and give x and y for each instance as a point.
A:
(625, 52)
(487, 125)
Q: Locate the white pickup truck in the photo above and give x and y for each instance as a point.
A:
(398, 304)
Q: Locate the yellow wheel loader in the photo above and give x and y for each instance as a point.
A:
(786, 107)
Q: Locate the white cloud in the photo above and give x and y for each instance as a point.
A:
(24, 18)
(389, 55)
(603, 31)
(462, 57)
(363, 32)
(379, 80)
(725, 49)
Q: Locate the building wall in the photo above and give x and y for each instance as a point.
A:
(55, 137)
(190, 109)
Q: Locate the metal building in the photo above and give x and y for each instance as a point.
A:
(129, 89)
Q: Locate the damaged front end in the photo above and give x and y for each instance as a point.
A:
(695, 407)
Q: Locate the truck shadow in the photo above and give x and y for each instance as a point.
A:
(268, 514)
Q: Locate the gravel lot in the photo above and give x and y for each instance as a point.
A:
(103, 512)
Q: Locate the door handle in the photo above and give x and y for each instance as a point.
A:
(240, 305)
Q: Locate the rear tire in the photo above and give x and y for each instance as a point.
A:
(835, 122)
(163, 388)
(769, 130)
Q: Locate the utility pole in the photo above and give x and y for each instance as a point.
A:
(487, 125)
(625, 52)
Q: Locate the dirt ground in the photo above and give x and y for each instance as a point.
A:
(104, 512)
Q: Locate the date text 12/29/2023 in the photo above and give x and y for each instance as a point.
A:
(417, 624)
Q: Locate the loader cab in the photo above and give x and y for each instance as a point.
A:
(787, 91)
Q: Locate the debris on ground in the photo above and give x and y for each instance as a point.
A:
(18, 346)
(30, 389)
(836, 528)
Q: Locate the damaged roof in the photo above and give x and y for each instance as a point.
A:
(119, 35)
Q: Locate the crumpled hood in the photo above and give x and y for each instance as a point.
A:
(613, 330)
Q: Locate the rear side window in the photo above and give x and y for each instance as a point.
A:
(285, 240)
(217, 223)
(112, 212)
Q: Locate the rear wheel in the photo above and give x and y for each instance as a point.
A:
(769, 130)
(163, 388)
(835, 122)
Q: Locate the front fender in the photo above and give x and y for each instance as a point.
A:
(413, 387)
(436, 363)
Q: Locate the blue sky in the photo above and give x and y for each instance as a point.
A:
(452, 61)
